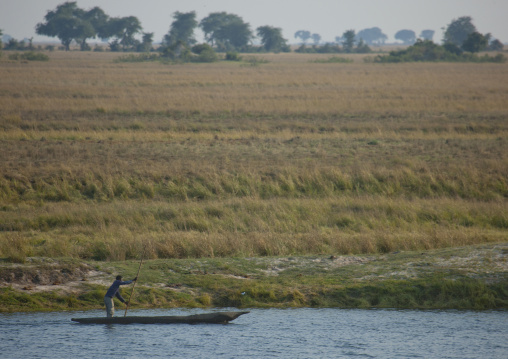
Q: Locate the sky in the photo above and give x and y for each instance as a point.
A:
(328, 18)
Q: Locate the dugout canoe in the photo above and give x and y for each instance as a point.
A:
(211, 318)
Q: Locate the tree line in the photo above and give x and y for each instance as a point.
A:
(223, 31)
(228, 32)
(70, 23)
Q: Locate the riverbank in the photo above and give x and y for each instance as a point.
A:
(471, 277)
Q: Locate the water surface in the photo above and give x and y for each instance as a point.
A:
(263, 333)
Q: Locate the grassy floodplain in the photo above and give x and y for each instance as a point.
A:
(281, 157)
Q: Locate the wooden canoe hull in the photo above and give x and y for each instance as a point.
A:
(212, 318)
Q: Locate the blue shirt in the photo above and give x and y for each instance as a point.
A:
(114, 289)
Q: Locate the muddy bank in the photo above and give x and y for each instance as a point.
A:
(45, 274)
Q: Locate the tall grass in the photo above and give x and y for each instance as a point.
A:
(248, 227)
(212, 160)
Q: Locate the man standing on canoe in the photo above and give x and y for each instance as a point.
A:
(114, 291)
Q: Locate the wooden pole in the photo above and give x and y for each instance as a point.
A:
(127, 307)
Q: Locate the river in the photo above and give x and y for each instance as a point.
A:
(263, 333)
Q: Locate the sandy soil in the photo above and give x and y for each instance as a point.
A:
(40, 274)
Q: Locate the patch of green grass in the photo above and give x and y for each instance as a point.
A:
(29, 56)
(334, 60)
(138, 58)
(16, 301)
(470, 277)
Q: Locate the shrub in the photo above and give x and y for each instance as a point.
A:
(138, 58)
(335, 60)
(233, 56)
(200, 48)
(255, 61)
(429, 51)
(208, 55)
(29, 56)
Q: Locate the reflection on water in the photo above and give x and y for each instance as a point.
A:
(264, 333)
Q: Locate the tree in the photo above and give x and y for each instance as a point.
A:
(427, 34)
(210, 24)
(128, 27)
(348, 42)
(146, 44)
(316, 38)
(83, 30)
(14, 44)
(68, 23)
(122, 30)
(227, 31)
(234, 35)
(213, 23)
(271, 38)
(362, 48)
(372, 36)
(96, 18)
(182, 29)
(408, 37)
(495, 45)
(475, 42)
(99, 20)
(458, 30)
(304, 35)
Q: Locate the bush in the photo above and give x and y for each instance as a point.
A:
(138, 58)
(335, 60)
(330, 48)
(454, 49)
(325, 49)
(362, 48)
(233, 56)
(255, 61)
(200, 48)
(29, 56)
(207, 55)
(428, 51)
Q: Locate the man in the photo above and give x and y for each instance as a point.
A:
(114, 291)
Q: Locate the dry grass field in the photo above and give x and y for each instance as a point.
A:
(277, 157)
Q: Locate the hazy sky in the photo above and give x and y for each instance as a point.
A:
(328, 18)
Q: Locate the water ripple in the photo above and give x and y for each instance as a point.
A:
(266, 333)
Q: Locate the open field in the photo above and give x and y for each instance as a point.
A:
(92, 82)
(289, 157)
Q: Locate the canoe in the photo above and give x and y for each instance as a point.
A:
(212, 318)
